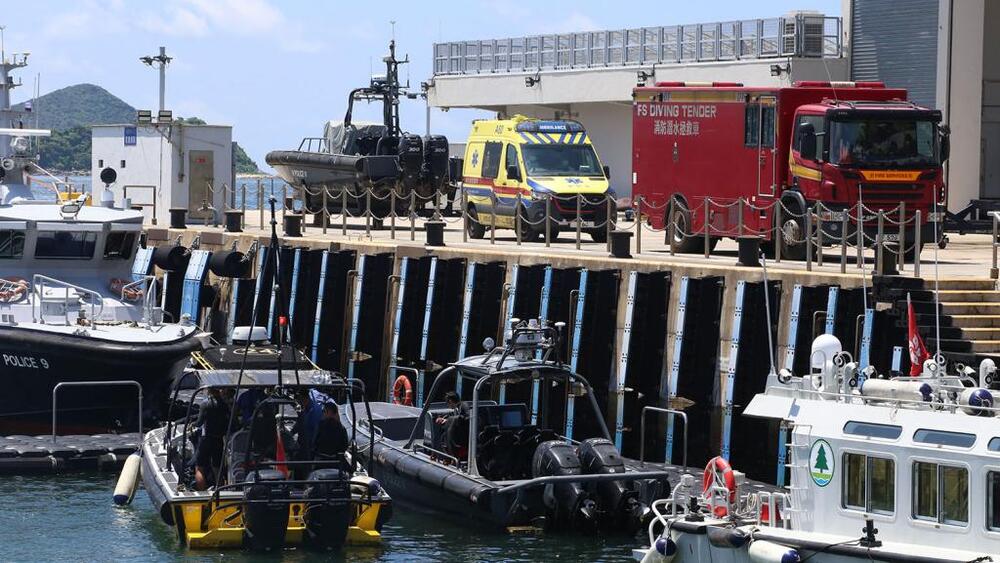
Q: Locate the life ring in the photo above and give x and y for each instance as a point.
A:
(130, 294)
(13, 290)
(402, 391)
(719, 468)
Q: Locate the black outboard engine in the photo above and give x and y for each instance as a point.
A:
(265, 513)
(328, 509)
(618, 501)
(435, 165)
(569, 504)
(411, 160)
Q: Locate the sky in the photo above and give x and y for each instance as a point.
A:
(277, 71)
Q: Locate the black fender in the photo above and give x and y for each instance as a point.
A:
(795, 196)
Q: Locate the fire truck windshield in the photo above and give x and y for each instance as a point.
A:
(561, 160)
(884, 143)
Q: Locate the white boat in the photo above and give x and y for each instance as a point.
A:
(904, 469)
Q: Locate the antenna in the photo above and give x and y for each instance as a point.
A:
(3, 53)
(393, 24)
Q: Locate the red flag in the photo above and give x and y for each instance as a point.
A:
(918, 352)
(279, 455)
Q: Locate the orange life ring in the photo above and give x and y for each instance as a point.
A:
(14, 290)
(402, 391)
(718, 466)
(131, 294)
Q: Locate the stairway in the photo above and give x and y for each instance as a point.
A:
(970, 317)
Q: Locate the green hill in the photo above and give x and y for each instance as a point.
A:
(70, 112)
(80, 105)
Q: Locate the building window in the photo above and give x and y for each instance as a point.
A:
(11, 244)
(491, 159)
(123, 164)
(100, 163)
(758, 125)
(940, 493)
(869, 483)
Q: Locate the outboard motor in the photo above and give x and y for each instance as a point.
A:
(411, 160)
(435, 165)
(265, 513)
(328, 509)
(568, 504)
(618, 501)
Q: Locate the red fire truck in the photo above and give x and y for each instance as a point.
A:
(832, 142)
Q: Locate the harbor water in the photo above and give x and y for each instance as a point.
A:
(70, 517)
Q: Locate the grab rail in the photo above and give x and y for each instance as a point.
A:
(595, 478)
(120, 382)
(430, 450)
(148, 298)
(642, 431)
(38, 281)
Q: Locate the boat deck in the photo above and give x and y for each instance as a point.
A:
(40, 454)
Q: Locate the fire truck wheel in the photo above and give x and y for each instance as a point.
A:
(473, 226)
(791, 239)
(682, 224)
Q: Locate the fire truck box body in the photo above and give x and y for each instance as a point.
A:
(723, 142)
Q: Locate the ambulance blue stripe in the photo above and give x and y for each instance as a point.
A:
(526, 137)
(562, 137)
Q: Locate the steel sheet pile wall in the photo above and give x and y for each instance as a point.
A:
(481, 310)
(595, 347)
(642, 362)
(329, 336)
(368, 315)
(751, 443)
(443, 325)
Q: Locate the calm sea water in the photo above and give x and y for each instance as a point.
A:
(71, 518)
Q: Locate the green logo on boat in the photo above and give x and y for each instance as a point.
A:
(821, 463)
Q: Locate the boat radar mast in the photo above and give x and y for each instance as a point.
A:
(385, 89)
(18, 154)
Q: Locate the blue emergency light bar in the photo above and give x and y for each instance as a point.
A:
(549, 127)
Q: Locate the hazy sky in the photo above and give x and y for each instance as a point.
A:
(277, 71)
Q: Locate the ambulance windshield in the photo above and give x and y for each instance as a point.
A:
(884, 143)
(561, 160)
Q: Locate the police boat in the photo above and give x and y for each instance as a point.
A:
(495, 463)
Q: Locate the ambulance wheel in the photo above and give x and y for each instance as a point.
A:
(528, 232)
(474, 228)
(681, 242)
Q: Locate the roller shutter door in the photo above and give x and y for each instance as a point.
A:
(896, 42)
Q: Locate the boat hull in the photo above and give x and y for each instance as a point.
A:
(33, 362)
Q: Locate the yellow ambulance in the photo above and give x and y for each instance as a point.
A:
(540, 160)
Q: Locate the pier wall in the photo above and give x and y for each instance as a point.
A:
(643, 332)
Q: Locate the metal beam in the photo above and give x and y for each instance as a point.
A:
(296, 269)
(633, 278)
(234, 299)
(463, 339)
(356, 316)
(320, 297)
(734, 355)
(194, 278)
(793, 327)
(831, 309)
(675, 363)
(514, 270)
(404, 268)
(581, 300)
(866, 344)
(543, 317)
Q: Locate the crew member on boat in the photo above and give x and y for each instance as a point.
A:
(213, 419)
(451, 398)
(331, 437)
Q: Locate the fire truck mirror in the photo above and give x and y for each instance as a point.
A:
(945, 145)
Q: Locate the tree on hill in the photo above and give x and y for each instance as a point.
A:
(66, 150)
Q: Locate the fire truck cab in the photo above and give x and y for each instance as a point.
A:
(843, 144)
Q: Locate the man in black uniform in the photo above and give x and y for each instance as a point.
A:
(213, 418)
(331, 437)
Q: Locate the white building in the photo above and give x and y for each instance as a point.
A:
(589, 76)
(164, 166)
(945, 52)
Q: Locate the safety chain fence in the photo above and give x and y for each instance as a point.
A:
(893, 234)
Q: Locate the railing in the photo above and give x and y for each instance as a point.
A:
(642, 431)
(114, 383)
(148, 285)
(39, 282)
(801, 35)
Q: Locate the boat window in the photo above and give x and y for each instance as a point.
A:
(869, 483)
(942, 438)
(886, 431)
(491, 159)
(940, 493)
(11, 244)
(994, 445)
(119, 244)
(993, 500)
(65, 244)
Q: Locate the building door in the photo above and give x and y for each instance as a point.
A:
(201, 182)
